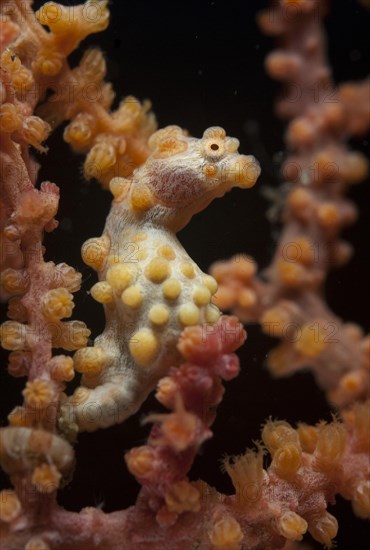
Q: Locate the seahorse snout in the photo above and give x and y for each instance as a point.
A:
(242, 171)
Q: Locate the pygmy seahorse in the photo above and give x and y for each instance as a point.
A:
(151, 289)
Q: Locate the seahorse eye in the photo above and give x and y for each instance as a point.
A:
(214, 149)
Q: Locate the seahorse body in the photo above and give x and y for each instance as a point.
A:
(150, 287)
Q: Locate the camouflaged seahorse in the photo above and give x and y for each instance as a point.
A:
(151, 289)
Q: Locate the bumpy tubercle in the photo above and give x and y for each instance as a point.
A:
(150, 287)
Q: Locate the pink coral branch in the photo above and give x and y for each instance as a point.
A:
(288, 300)
(305, 467)
(309, 467)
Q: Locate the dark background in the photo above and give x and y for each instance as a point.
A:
(201, 64)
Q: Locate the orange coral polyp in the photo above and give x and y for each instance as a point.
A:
(10, 506)
(46, 478)
(292, 526)
(323, 529)
(179, 428)
(182, 497)
(246, 473)
(36, 543)
(58, 303)
(10, 118)
(277, 434)
(39, 393)
(141, 461)
(226, 534)
(330, 447)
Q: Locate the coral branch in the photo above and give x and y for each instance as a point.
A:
(163, 329)
(287, 301)
(309, 466)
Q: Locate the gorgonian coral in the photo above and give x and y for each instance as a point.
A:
(163, 329)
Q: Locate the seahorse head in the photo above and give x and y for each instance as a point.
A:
(184, 174)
